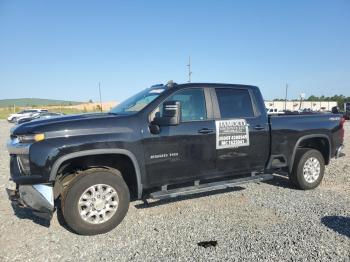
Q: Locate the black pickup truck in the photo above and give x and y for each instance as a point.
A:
(166, 141)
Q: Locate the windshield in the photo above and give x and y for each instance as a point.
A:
(137, 102)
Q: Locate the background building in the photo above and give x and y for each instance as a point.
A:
(297, 104)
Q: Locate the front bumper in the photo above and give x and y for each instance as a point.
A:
(31, 191)
(339, 151)
(39, 198)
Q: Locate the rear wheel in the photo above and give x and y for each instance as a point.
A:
(308, 169)
(96, 201)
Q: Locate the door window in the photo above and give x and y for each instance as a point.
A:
(192, 102)
(234, 103)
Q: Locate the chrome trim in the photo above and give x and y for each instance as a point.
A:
(20, 165)
(338, 153)
(14, 147)
(39, 197)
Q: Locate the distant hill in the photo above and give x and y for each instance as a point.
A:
(29, 102)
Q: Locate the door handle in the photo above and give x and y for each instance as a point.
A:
(205, 131)
(259, 127)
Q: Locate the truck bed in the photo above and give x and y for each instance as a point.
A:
(287, 130)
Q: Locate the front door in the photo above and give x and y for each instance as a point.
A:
(184, 152)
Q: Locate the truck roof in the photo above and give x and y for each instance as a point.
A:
(171, 84)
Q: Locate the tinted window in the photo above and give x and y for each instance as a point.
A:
(192, 104)
(234, 103)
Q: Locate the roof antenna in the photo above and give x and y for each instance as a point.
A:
(189, 69)
(99, 90)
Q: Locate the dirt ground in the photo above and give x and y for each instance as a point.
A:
(260, 221)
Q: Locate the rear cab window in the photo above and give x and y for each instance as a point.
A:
(234, 103)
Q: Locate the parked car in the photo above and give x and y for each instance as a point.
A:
(307, 111)
(24, 113)
(289, 112)
(272, 111)
(164, 142)
(38, 116)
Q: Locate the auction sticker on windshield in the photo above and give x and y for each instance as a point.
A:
(232, 133)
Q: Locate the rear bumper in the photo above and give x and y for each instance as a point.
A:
(39, 198)
(339, 151)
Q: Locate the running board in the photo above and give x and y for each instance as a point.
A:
(205, 187)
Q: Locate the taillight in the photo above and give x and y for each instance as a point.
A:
(342, 121)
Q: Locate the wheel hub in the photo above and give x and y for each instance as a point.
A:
(98, 203)
(311, 170)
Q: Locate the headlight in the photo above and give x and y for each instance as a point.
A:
(31, 138)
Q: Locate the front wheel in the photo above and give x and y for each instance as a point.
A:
(95, 202)
(308, 169)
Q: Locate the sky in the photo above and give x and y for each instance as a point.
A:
(63, 49)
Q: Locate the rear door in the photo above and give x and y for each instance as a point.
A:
(242, 131)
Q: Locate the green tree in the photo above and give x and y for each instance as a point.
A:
(313, 98)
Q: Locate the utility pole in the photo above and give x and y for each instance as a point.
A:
(189, 69)
(99, 90)
(302, 96)
(285, 99)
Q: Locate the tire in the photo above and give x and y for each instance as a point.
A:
(310, 177)
(92, 187)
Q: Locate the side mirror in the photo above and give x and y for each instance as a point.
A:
(154, 128)
(170, 115)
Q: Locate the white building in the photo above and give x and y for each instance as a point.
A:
(296, 105)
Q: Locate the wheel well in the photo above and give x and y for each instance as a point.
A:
(72, 167)
(319, 143)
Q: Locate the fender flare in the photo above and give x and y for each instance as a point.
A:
(59, 161)
(304, 138)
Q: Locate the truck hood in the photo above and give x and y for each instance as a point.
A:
(68, 123)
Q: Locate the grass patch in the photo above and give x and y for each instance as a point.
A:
(5, 112)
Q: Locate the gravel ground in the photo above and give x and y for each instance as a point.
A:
(261, 221)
